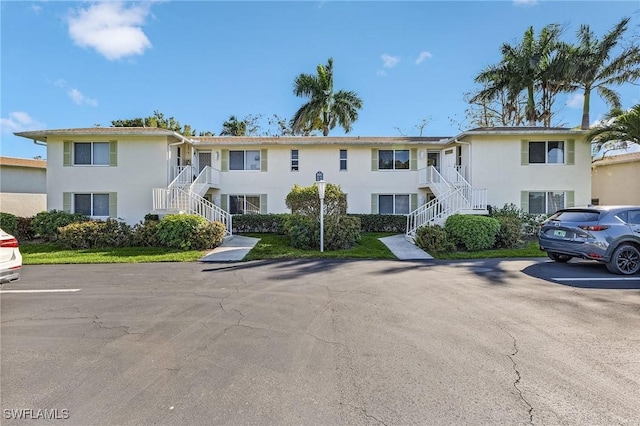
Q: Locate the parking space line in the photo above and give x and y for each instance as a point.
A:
(60, 290)
(598, 279)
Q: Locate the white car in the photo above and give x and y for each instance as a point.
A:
(10, 258)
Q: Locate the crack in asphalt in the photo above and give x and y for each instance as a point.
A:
(518, 375)
(125, 328)
(364, 411)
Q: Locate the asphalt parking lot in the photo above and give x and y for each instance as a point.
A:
(321, 342)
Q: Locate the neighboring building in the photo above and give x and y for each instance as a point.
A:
(615, 180)
(129, 172)
(23, 186)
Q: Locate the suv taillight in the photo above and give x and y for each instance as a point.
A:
(10, 243)
(594, 227)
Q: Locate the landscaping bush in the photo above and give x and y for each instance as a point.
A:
(263, 223)
(95, 234)
(530, 222)
(303, 231)
(510, 233)
(471, 232)
(341, 232)
(382, 222)
(9, 223)
(189, 231)
(306, 201)
(46, 224)
(433, 239)
(25, 230)
(145, 233)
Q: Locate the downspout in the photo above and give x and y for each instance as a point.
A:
(41, 143)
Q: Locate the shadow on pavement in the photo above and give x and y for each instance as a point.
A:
(582, 274)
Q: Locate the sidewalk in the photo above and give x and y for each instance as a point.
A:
(236, 247)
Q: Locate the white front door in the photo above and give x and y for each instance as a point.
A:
(204, 159)
(449, 165)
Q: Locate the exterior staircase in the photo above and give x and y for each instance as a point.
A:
(185, 194)
(454, 194)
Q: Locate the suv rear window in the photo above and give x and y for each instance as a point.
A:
(576, 216)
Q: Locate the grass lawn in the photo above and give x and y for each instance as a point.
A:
(272, 246)
(50, 253)
(532, 249)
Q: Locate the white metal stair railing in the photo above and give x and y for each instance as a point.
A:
(178, 199)
(436, 211)
(207, 177)
(184, 177)
(432, 177)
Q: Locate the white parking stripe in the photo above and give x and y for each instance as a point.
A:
(597, 279)
(61, 290)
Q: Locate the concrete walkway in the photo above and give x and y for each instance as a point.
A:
(403, 249)
(236, 247)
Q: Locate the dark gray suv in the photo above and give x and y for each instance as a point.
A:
(608, 234)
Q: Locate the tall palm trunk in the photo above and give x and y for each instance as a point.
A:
(585, 109)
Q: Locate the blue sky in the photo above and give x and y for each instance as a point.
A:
(78, 64)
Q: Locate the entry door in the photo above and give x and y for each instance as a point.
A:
(204, 159)
(448, 165)
(433, 159)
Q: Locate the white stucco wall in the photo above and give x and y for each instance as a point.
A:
(496, 165)
(141, 166)
(617, 180)
(358, 181)
(22, 204)
(27, 180)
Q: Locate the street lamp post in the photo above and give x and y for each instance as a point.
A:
(322, 185)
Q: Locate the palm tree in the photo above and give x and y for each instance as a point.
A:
(521, 68)
(325, 108)
(234, 127)
(618, 126)
(594, 68)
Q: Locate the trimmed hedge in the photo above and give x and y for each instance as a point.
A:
(46, 224)
(340, 232)
(434, 239)
(382, 222)
(189, 231)
(471, 232)
(510, 232)
(9, 223)
(262, 223)
(95, 234)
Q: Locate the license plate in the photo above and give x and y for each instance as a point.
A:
(559, 233)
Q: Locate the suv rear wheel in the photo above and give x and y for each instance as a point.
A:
(625, 260)
(562, 258)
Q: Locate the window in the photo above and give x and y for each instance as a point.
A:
(550, 152)
(244, 160)
(393, 204)
(343, 159)
(546, 202)
(393, 159)
(294, 160)
(244, 204)
(91, 153)
(96, 205)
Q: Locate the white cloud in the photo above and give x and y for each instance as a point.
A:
(60, 83)
(575, 101)
(389, 61)
(422, 56)
(381, 73)
(111, 27)
(36, 9)
(525, 2)
(79, 98)
(19, 121)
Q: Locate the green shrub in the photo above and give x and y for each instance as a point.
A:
(382, 222)
(95, 234)
(145, 233)
(306, 201)
(263, 223)
(25, 230)
(9, 223)
(433, 239)
(510, 233)
(341, 232)
(303, 231)
(46, 224)
(471, 232)
(189, 231)
(530, 222)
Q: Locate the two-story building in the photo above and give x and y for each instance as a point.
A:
(129, 172)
